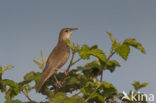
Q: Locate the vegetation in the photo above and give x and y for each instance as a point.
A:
(82, 83)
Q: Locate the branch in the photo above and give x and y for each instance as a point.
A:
(27, 97)
(72, 63)
(76, 61)
(92, 93)
(101, 70)
(111, 54)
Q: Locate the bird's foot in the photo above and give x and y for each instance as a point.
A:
(66, 73)
(58, 82)
(64, 70)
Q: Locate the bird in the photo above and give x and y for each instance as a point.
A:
(58, 57)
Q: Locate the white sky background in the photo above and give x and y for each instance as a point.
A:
(26, 27)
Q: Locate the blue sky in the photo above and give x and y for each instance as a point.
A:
(28, 26)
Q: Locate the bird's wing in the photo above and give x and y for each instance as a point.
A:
(57, 58)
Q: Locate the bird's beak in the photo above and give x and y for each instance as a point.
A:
(73, 29)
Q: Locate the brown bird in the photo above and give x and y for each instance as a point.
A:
(58, 57)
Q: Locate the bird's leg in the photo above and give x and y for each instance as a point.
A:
(58, 82)
(64, 70)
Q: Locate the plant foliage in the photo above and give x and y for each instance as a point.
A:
(81, 84)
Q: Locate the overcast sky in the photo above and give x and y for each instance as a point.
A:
(28, 26)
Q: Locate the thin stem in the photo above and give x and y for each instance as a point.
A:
(57, 82)
(27, 97)
(101, 75)
(111, 54)
(71, 61)
(92, 94)
(70, 64)
(76, 61)
(77, 93)
(101, 70)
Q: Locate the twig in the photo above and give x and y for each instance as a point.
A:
(57, 82)
(77, 93)
(111, 54)
(27, 97)
(101, 75)
(92, 94)
(76, 61)
(70, 64)
(101, 70)
(71, 61)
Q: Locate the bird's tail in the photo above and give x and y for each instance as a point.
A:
(45, 75)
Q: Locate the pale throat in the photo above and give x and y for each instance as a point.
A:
(67, 36)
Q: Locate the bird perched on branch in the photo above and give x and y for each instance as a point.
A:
(58, 56)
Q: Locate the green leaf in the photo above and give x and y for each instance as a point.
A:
(29, 76)
(58, 98)
(6, 68)
(73, 46)
(91, 69)
(62, 98)
(115, 46)
(112, 64)
(0, 75)
(122, 50)
(137, 85)
(94, 47)
(71, 81)
(143, 85)
(33, 76)
(13, 101)
(97, 98)
(111, 37)
(2, 86)
(43, 61)
(84, 52)
(108, 89)
(88, 88)
(40, 65)
(97, 91)
(42, 56)
(10, 83)
(37, 78)
(75, 99)
(0, 68)
(13, 90)
(134, 43)
(99, 54)
(68, 43)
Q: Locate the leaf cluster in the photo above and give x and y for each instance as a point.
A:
(82, 83)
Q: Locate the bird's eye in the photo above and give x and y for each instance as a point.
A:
(66, 30)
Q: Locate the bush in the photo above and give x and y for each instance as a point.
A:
(82, 83)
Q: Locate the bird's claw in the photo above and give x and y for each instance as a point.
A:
(66, 73)
(59, 84)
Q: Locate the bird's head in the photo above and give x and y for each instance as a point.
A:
(66, 33)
